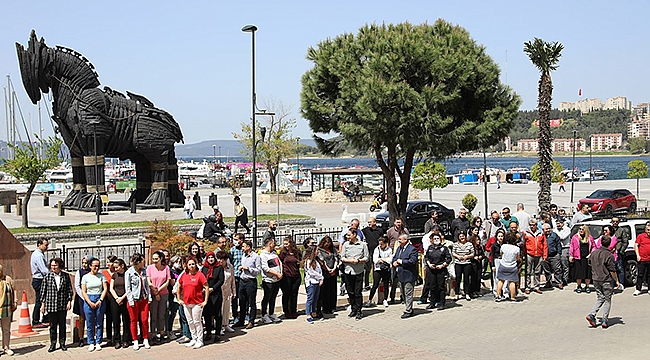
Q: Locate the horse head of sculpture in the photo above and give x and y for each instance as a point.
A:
(41, 65)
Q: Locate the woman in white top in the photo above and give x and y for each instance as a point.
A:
(381, 258)
(508, 269)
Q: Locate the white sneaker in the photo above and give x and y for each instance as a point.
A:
(191, 343)
(275, 318)
(222, 332)
(266, 319)
(145, 343)
(98, 347)
(229, 329)
(136, 346)
(9, 352)
(91, 347)
(385, 303)
(197, 345)
(636, 292)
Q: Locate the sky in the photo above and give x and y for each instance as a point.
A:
(192, 59)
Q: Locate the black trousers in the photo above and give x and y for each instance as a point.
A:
(212, 315)
(290, 287)
(380, 276)
(464, 270)
(327, 296)
(270, 294)
(437, 283)
(247, 293)
(244, 223)
(57, 322)
(108, 318)
(475, 276)
(36, 314)
(354, 286)
(368, 268)
(120, 314)
(643, 268)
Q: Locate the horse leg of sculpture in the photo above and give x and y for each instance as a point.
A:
(73, 199)
(175, 194)
(143, 181)
(159, 185)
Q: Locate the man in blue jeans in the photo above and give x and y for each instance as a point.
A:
(622, 241)
(39, 270)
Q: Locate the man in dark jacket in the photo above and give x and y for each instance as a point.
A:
(371, 234)
(211, 232)
(460, 224)
(603, 271)
(436, 260)
(405, 263)
(553, 264)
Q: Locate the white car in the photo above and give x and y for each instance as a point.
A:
(632, 227)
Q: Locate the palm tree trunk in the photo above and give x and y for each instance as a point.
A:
(545, 139)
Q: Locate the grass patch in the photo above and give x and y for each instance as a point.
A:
(114, 225)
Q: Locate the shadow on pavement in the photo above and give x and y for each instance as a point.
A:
(27, 349)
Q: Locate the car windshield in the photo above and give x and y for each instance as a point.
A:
(600, 194)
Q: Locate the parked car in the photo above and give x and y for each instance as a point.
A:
(416, 215)
(633, 227)
(607, 202)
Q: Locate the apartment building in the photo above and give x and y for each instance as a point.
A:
(605, 142)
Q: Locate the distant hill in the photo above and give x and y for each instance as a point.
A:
(225, 147)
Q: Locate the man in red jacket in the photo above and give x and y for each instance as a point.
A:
(642, 250)
(536, 251)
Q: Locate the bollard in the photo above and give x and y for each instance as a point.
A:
(168, 204)
(19, 207)
(60, 208)
(8, 208)
(98, 240)
(133, 206)
(213, 200)
(46, 199)
(197, 200)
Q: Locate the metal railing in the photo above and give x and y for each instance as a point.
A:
(72, 255)
(299, 235)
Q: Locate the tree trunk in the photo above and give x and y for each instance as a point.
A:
(545, 139)
(430, 194)
(388, 169)
(637, 189)
(28, 195)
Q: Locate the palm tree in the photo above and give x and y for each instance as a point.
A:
(544, 56)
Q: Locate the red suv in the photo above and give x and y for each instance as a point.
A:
(607, 202)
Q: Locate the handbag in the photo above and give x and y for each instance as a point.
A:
(384, 266)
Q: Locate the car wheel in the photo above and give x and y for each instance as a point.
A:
(631, 272)
(632, 208)
(609, 211)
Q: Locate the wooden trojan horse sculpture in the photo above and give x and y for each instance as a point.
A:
(125, 128)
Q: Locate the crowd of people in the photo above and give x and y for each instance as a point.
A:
(132, 304)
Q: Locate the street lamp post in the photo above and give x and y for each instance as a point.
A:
(573, 166)
(98, 201)
(214, 155)
(251, 29)
(591, 169)
(298, 161)
(219, 154)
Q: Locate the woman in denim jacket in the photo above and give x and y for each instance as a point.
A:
(138, 295)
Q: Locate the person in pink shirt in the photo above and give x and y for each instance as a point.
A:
(609, 231)
(158, 276)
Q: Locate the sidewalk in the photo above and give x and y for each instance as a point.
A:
(44, 335)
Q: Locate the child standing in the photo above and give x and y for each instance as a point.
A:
(313, 282)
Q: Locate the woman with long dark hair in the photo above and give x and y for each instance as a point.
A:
(78, 306)
(213, 272)
(272, 274)
(290, 283)
(196, 250)
(118, 306)
(193, 293)
(313, 282)
(329, 258)
(477, 263)
(158, 276)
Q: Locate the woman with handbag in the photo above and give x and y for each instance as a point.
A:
(330, 260)
(381, 258)
(8, 304)
(579, 250)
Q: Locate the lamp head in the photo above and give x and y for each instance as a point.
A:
(249, 28)
(263, 131)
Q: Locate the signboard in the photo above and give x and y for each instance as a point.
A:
(126, 184)
(554, 122)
